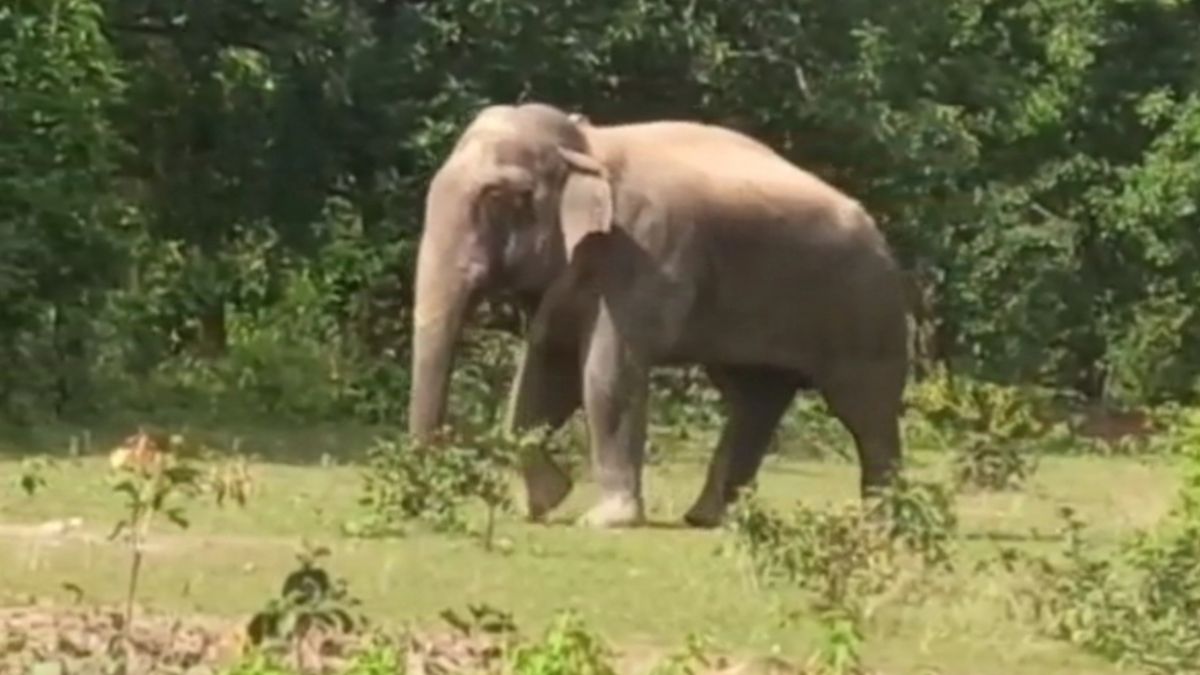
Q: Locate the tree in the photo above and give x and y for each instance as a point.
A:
(60, 78)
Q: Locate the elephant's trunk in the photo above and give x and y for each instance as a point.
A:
(444, 296)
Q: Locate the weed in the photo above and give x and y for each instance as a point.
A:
(1182, 432)
(1189, 492)
(403, 481)
(848, 558)
(32, 476)
(309, 602)
(1137, 606)
(481, 619)
(231, 479)
(835, 554)
(817, 432)
(149, 477)
(984, 464)
(919, 516)
(257, 663)
(693, 659)
(381, 658)
(567, 648)
(684, 407)
(994, 431)
(433, 481)
(840, 649)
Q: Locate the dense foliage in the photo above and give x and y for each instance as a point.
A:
(219, 201)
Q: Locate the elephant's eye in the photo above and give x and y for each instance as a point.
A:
(513, 208)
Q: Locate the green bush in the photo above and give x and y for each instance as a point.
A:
(1137, 605)
(993, 432)
(847, 555)
(567, 648)
(434, 482)
(173, 194)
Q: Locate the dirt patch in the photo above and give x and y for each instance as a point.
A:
(68, 640)
(49, 639)
(1111, 426)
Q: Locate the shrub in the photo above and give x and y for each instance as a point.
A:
(1136, 606)
(846, 555)
(994, 432)
(568, 647)
(433, 482)
(310, 603)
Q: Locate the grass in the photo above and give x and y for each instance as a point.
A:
(647, 587)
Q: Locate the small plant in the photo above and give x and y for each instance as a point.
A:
(840, 650)
(488, 633)
(493, 455)
(230, 479)
(310, 603)
(1181, 432)
(1189, 492)
(684, 407)
(257, 663)
(1137, 607)
(32, 476)
(919, 516)
(483, 619)
(994, 431)
(567, 648)
(846, 556)
(986, 465)
(836, 554)
(693, 659)
(811, 431)
(404, 481)
(432, 482)
(380, 658)
(150, 478)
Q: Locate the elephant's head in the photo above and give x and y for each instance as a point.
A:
(502, 214)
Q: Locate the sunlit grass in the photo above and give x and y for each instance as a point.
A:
(651, 586)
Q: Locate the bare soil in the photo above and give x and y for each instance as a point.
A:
(67, 640)
(53, 639)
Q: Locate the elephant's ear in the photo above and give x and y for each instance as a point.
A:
(587, 205)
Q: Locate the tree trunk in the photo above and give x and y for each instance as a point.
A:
(211, 339)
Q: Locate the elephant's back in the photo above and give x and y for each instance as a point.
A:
(718, 171)
(680, 133)
(786, 267)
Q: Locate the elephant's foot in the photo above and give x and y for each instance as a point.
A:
(615, 511)
(705, 513)
(546, 487)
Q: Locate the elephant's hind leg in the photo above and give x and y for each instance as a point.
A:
(866, 398)
(755, 400)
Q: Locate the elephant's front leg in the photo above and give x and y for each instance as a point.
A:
(546, 391)
(615, 390)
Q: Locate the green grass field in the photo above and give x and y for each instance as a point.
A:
(644, 589)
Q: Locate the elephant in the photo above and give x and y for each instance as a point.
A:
(661, 243)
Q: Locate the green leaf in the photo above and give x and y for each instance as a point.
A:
(118, 529)
(177, 515)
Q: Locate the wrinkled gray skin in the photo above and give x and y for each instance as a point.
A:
(651, 244)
